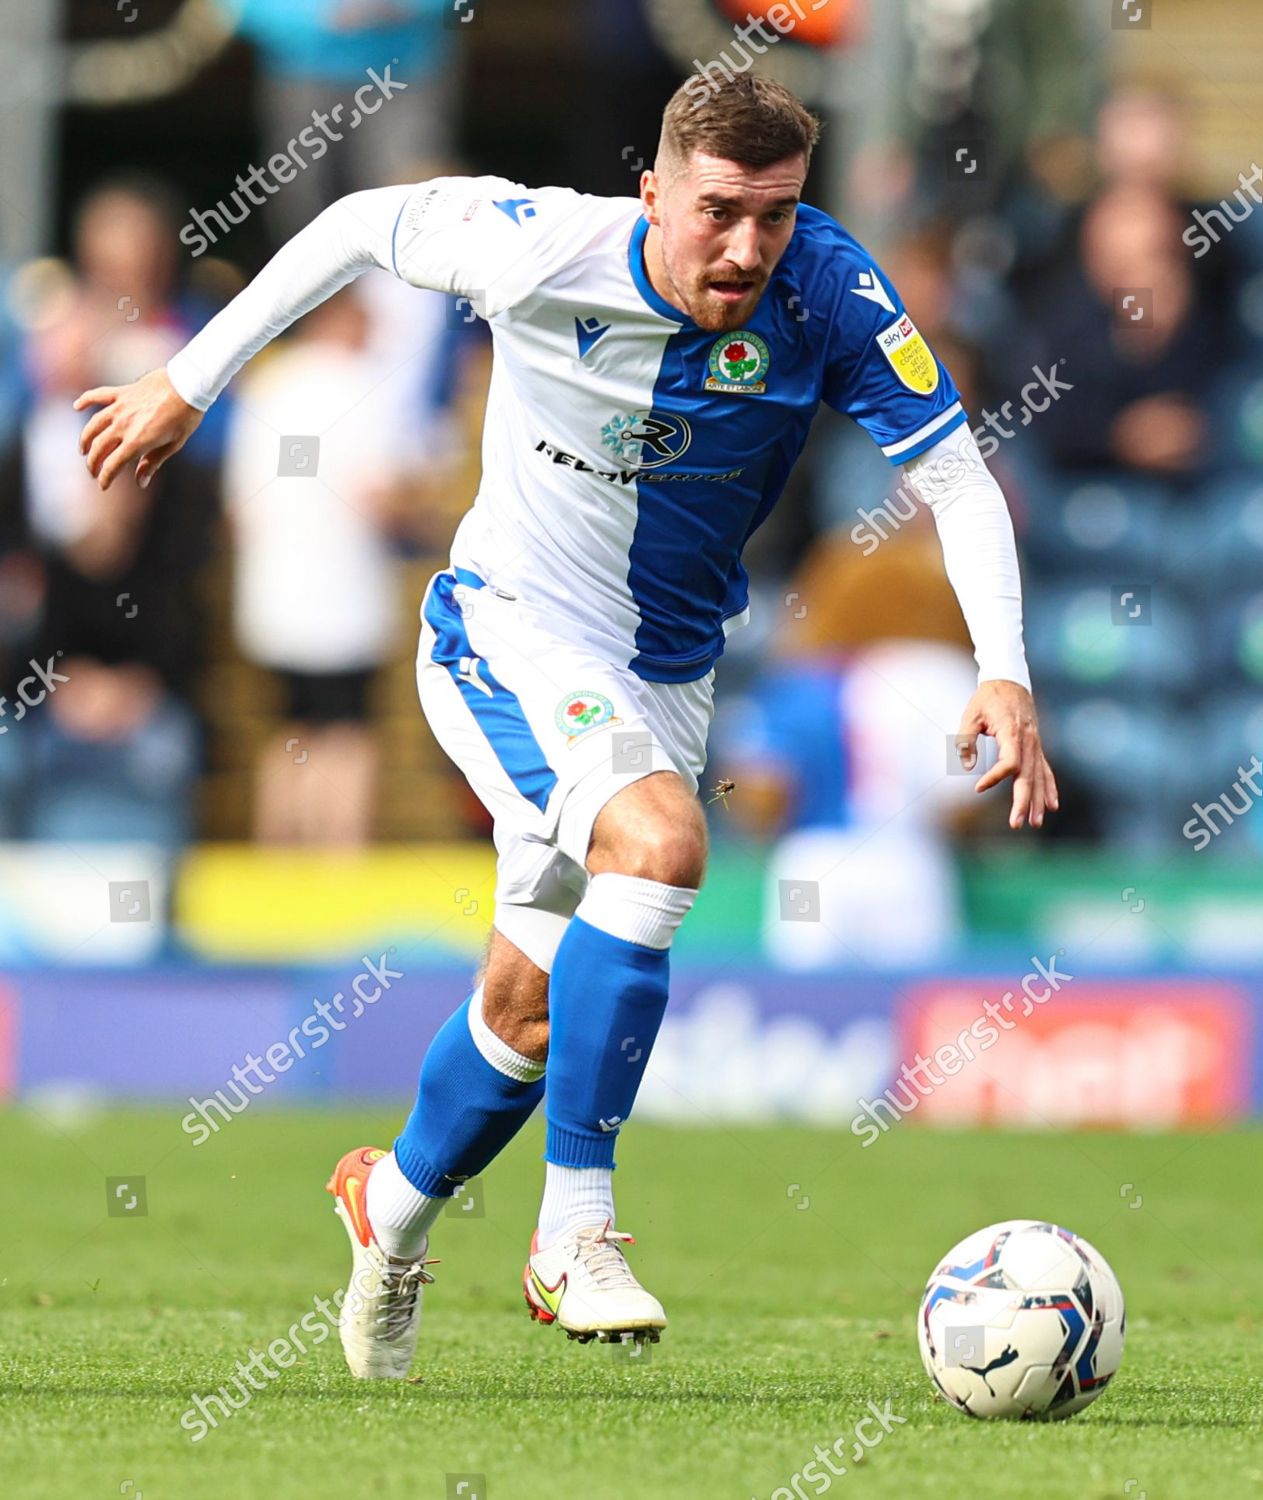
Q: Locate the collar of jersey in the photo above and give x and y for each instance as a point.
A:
(636, 264)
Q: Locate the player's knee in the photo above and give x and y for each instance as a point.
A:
(671, 855)
(660, 848)
(519, 1019)
(515, 999)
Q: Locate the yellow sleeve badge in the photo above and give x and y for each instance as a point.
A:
(910, 356)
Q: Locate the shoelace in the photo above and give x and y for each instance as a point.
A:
(597, 1250)
(399, 1288)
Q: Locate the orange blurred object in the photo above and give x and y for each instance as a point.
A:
(829, 26)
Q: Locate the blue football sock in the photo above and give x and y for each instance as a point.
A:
(467, 1110)
(606, 998)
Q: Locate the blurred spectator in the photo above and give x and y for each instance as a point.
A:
(118, 312)
(316, 585)
(102, 585)
(840, 753)
(313, 56)
(114, 749)
(1126, 314)
(1142, 140)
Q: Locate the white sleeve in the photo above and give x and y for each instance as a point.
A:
(338, 245)
(976, 534)
(472, 236)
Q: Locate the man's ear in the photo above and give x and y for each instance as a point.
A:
(649, 194)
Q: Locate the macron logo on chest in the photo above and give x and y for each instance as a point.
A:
(589, 332)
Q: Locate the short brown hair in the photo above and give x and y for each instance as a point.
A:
(739, 117)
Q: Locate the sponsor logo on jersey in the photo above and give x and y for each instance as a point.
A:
(627, 476)
(588, 333)
(647, 439)
(471, 210)
(517, 209)
(871, 289)
(580, 466)
(738, 362)
(577, 713)
(910, 356)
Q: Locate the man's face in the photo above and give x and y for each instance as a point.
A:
(723, 229)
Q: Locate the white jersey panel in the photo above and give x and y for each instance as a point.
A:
(557, 510)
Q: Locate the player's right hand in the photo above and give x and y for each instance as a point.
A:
(1006, 711)
(145, 420)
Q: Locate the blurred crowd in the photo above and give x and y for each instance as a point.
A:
(1114, 378)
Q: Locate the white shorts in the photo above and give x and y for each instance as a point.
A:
(545, 733)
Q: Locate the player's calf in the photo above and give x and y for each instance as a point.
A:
(607, 997)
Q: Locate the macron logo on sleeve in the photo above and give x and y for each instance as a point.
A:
(517, 209)
(872, 291)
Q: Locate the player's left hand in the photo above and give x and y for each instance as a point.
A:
(1006, 711)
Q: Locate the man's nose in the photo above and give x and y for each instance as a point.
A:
(742, 247)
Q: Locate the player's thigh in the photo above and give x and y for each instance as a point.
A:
(548, 735)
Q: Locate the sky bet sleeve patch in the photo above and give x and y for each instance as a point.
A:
(909, 356)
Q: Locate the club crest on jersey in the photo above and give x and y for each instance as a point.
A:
(647, 439)
(910, 356)
(738, 362)
(579, 712)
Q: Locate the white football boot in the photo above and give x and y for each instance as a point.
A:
(380, 1316)
(584, 1284)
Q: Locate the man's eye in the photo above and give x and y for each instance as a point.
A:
(716, 214)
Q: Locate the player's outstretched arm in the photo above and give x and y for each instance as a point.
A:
(976, 535)
(154, 416)
(146, 420)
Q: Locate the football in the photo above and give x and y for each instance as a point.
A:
(1022, 1320)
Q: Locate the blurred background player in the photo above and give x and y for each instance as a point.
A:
(847, 728)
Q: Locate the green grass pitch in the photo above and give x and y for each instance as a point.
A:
(789, 1260)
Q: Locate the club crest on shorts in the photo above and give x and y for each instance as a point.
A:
(910, 356)
(738, 362)
(579, 712)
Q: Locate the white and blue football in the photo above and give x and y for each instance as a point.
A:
(1022, 1320)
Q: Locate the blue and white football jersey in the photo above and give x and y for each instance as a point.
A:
(629, 454)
